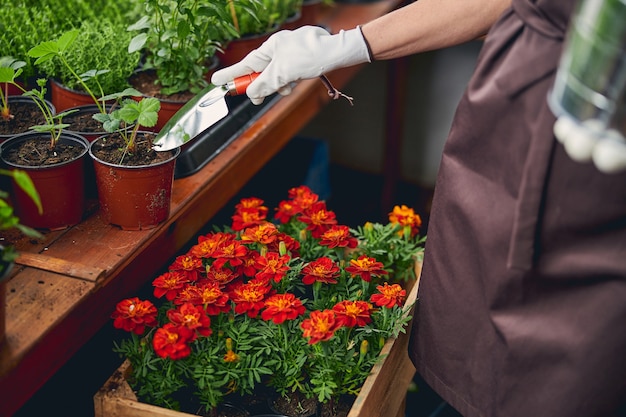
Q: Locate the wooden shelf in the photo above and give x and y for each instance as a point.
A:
(73, 278)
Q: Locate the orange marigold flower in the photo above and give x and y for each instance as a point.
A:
(338, 237)
(286, 210)
(249, 297)
(169, 284)
(272, 266)
(323, 270)
(264, 233)
(247, 217)
(365, 267)
(281, 307)
(208, 244)
(405, 216)
(320, 326)
(291, 244)
(232, 252)
(220, 275)
(318, 219)
(389, 295)
(353, 313)
(192, 317)
(252, 203)
(231, 356)
(170, 341)
(188, 264)
(133, 315)
(303, 197)
(207, 294)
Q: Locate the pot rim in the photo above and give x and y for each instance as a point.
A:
(25, 136)
(175, 154)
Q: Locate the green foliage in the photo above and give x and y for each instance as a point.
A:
(179, 39)
(254, 17)
(103, 46)
(143, 113)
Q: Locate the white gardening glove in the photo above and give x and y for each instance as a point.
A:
(291, 56)
(590, 141)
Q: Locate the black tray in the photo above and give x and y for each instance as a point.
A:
(197, 153)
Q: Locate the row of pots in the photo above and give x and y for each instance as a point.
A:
(132, 197)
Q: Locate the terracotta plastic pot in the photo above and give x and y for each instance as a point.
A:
(61, 187)
(237, 49)
(63, 98)
(310, 12)
(134, 197)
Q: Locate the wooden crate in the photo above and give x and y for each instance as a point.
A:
(383, 393)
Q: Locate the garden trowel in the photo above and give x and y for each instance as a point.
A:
(200, 113)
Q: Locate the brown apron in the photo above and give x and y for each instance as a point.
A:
(522, 303)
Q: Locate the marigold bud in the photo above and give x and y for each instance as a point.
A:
(229, 343)
(364, 347)
(282, 248)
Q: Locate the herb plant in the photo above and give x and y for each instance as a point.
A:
(179, 40)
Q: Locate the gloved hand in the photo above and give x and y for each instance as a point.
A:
(291, 56)
(590, 141)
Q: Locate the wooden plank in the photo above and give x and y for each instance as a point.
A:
(60, 266)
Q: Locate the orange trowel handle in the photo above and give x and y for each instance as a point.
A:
(239, 85)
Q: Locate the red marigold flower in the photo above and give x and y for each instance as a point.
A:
(286, 210)
(232, 252)
(247, 217)
(272, 266)
(321, 270)
(405, 216)
(169, 284)
(133, 315)
(320, 326)
(353, 313)
(207, 294)
(264, 233)
(170, 341)
(291, 244)
(389, 295)
(192, 317)
(220, 275)
(208, 244)
(252, 203)
(188, 264)
(318, 219)
(303, 197)
(249, 297)
(247, 267)
(365, 267)
(281, 307)
(338, 237)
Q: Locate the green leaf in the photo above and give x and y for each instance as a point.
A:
(45, 51)
(137, 43)
(67, 39)
(26, 184)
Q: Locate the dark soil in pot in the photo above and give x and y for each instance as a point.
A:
(25, 114)
(147, 83)
(37, 152)
(111, 150)
(294, 405)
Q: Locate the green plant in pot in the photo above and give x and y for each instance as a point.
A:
(134, 182)
(102, 99)
(17, 113)
(179, 39)
(103, 46)
(54, 160)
